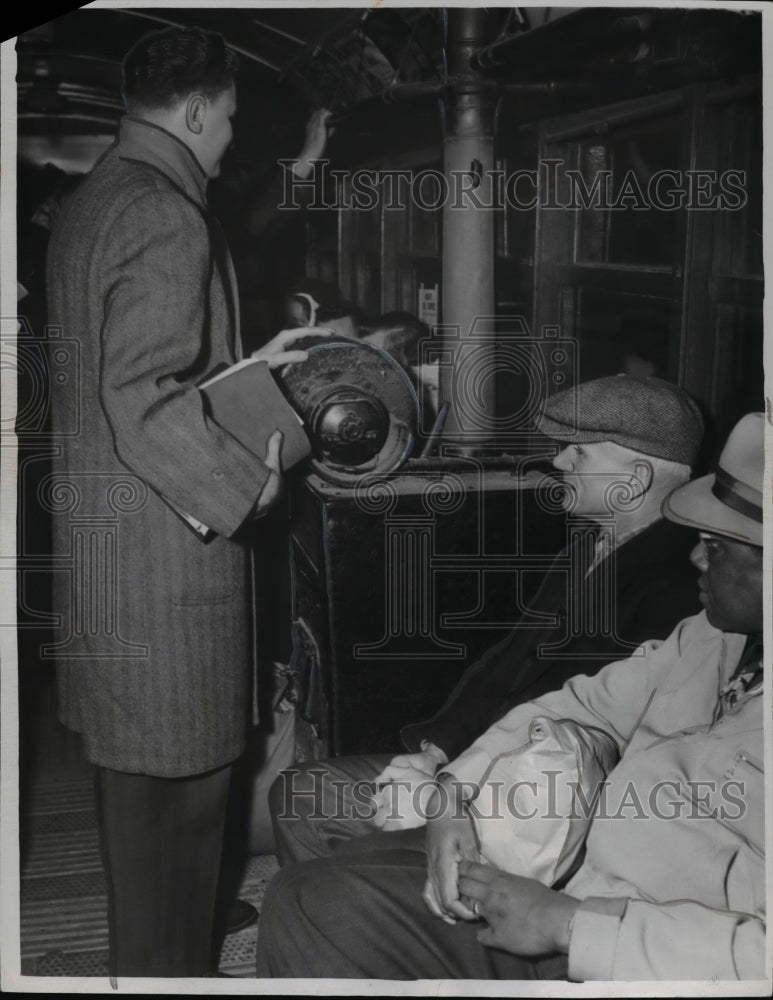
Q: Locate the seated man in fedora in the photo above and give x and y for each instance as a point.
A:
(672, 885)
(625, 443)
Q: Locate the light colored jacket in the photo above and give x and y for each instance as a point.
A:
(674, 874)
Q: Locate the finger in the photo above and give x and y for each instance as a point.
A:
(475, 870)
(274, 450)
(458, 909)
(473, 889)
(286, 337)
(449, 892)
(379, 798)
(269, 494)
(446, 879)
(474, 906)
(433, 905)
(283, 340)
(286, 358)
(387, 775)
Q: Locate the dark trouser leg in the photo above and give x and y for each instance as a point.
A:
(362, 916)
(318, 805)
(161, 846)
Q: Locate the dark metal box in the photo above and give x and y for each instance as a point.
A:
(402, 582)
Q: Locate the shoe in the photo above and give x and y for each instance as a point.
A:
(241, 914)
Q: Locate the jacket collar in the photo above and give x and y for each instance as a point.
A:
(661, 544)
(143, 140)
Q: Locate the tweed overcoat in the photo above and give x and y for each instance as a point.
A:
(154, 646)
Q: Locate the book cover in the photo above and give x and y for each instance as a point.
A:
(246, 401)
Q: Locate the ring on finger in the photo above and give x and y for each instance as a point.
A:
(476, 907)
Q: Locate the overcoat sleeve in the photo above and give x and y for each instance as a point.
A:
(155, 335)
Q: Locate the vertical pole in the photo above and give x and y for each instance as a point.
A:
(468, 237)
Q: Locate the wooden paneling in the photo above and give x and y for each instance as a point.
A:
(675, 292)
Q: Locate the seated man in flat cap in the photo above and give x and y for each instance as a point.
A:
(672, 885)
(625, 444)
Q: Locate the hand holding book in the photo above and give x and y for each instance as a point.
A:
(246, 401)
(272, 488)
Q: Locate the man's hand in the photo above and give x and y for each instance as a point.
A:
(272, 488)
(450, 840)
(315, 141)
(407, 784)
(276, 352)
(426, 762)
(402, 802)
(524, 916)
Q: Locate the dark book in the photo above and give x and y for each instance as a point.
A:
(246, 401)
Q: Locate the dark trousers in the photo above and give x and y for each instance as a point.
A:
(161, 842)
(318, 805)
(359, 914)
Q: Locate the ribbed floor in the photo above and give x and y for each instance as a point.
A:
(63, 902)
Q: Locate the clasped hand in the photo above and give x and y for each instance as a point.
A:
(523, 916)
(405, 787)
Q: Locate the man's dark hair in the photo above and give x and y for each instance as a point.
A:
(403, 333)
(168, 65)
(337, 309)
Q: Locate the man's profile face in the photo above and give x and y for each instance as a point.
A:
(217, 132)
(730, 583)
(595, 476)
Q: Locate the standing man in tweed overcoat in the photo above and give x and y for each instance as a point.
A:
(155, 646)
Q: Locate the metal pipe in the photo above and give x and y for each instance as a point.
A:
(277, 31)
(468, 237)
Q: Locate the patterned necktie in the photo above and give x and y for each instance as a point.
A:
(746, 676)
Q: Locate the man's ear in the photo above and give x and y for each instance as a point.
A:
(195, 112)
(643, 476)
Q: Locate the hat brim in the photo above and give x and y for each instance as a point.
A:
(565, 432)
(695, 506)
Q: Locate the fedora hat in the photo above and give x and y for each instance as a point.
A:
(729, 501)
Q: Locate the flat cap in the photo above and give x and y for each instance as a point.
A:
(648, 415)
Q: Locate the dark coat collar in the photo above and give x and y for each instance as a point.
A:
(660, 542)
(142, 140)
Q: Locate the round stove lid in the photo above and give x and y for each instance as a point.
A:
(359, 406)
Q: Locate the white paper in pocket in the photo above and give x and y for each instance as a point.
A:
(532, 813)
